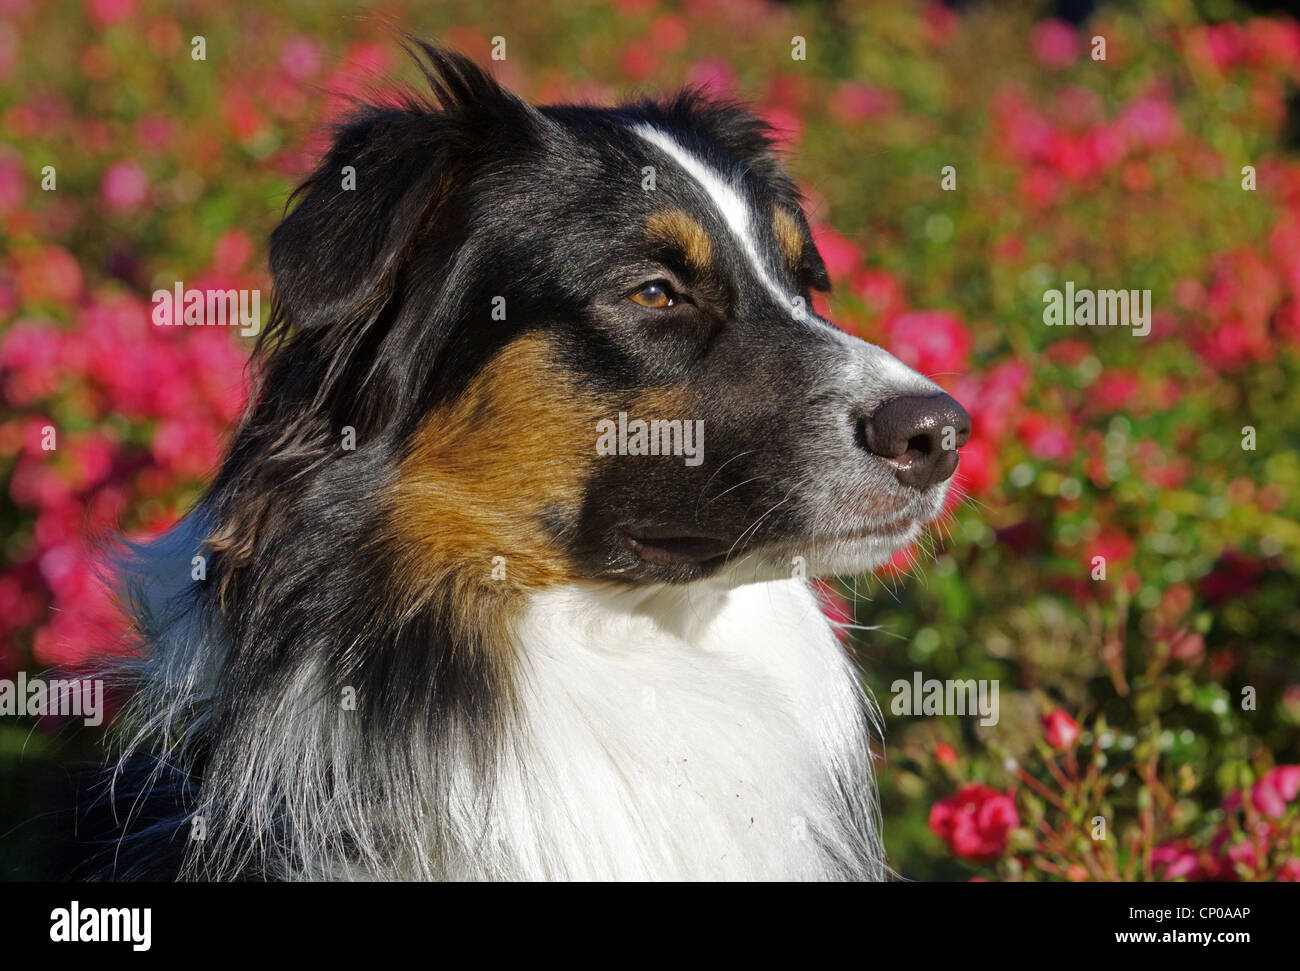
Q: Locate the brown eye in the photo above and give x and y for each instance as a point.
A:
(656, 296)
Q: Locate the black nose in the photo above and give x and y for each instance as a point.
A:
(919, 436)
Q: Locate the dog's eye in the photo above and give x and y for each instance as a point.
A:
(656, 296)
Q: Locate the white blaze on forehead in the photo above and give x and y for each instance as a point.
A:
(728, 201)
(877, 365)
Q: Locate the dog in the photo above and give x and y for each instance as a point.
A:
(506, 572)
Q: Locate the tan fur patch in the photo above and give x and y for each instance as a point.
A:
(789, 236)
(674, 227)
(467, 510)
(470, 498)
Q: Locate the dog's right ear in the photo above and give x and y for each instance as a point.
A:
(359, 210)
(337, 254)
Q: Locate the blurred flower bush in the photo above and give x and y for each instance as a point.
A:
(1162, 701)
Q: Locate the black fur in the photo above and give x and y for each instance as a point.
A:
(383, 297)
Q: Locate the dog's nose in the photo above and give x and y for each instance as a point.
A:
(918, 435)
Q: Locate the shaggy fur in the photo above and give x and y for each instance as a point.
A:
(475, 646)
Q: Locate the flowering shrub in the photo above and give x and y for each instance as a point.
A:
(957, 167)
(975, 822)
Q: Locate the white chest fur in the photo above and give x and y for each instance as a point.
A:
(685, 733)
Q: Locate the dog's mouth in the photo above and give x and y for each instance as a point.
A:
(886, 530)
(667, 547)
(661, 547)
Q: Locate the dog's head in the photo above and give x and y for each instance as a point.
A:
(579, 343)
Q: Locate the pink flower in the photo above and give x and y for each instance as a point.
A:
(239, 112)
(1045, 438)
(976, 473)
(638, 61)
(839, 253)
(900, 564)
(1060, 730)
(993, 398)
(124, 186)
(835, 606)
(190, 447)
(36, 484)
(300, 58)
(1104, 147)
(880, 290)
(30, 356)
(12, 188)
(975, 822)
(1176, 859)
(107, 12)
(1274, 41)
(977, 470)
(1112, 544)
(1266, 798)
(1276, 788)
(1041, 187)
(1246, 854)
(1226, 44)
(49, 274)
(1150, 122)
(18, 602)
(713, 75)
(1230, 346)
(155, 132)
(1069, 352)
(1055, 43)
(1072, 155)
(940, 23)
(935, 342)
(1115, 390)
(232, 251)
(85, 622)
(854, 102)
(369, 56)
(1287, 780)
(59, 524)
(217, 364)
(91, 460)
(786, 126)
(1023, 130)
(1186, 646)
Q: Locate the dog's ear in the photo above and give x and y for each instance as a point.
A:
(379, 188)
(360, 209)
